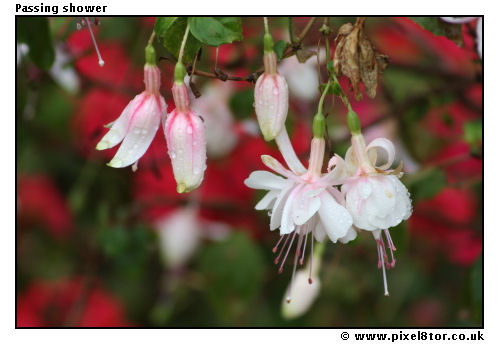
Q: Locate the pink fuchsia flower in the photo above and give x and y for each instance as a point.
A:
(138, 123)
(185, 134)
(374, 196)
(271, 98)
(303, 202)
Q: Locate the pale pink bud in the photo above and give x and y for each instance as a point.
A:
(138, 123)
(185, 134)
(271, 99)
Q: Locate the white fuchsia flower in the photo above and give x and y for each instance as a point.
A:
(374, 196)
(138, 123)
(303, 202)
(185, 135)
(271, 97)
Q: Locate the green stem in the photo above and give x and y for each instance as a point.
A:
(266, 25)
(151, 38)
(183, 44)
(323, 95)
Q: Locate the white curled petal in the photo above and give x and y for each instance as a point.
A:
(262, 179)
(266, 201)
(144, 124)
(337, 175)
(120, 126)
(351, 235)
(388, 146)
(336, 219)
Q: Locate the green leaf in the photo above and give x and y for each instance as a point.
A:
(35, 32)
(215, 31)
(171, 31)
(441, 28)
(473, 134)
(234, 270)
(279, 48)
(426, 184)
(241, 103)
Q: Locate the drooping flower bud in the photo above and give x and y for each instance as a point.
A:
(271, 98)
(185, 134)
(179, 235)
(139, 121)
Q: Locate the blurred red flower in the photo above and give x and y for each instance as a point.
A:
(68, 302)
(40, 202)
(447, 221)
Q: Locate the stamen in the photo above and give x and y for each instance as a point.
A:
(386, 291)
(101, 61)
(304, 250)
(295, 259)
(275, 248)
(288, 251)
(311, 260)
(391, 246)
(276, 260)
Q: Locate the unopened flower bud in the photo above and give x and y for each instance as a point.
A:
(185, 134)
(137, 125)
(271, 98)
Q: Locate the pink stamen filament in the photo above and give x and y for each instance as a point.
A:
(380, 250)
(275, 249)
(288, 251)
(101, 61)
(276, 260)
(311, 260)
(295, 259)
(304, 250)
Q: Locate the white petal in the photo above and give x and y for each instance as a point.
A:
(142, 129)
(336, 219)
(286, 149)
(335, 176)
(267, 200)
(306, 204)
(351, 235)
(273, 164)
(287, 225)
(277, 211)
(120, 126)
(262, 179)
(388, 146)
(319, 232)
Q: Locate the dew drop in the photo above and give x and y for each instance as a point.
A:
(275, 91)
(190, 130)
(137, 131)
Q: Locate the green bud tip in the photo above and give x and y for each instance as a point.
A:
(319, 125)
(181, 188)
(179, 73)
(150, 54)
(353, 122)
(268, 42)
